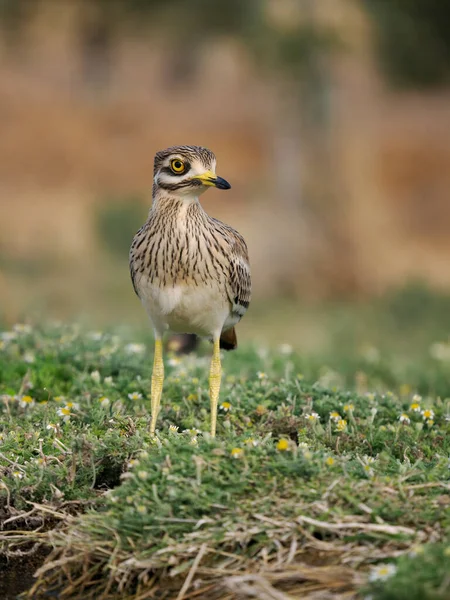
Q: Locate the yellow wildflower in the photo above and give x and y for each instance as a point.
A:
(237, 453)
(341, 425)
(283, 445)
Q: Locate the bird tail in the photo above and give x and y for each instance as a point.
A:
(228, 339)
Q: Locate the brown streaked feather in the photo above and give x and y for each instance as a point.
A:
(228, 339)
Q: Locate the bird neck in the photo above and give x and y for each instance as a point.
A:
(174, 204)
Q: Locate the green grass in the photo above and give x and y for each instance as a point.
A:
(285, 500)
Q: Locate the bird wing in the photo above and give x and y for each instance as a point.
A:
(137, 255)
(239, 283)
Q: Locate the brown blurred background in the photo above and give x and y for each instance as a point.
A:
(331, 119)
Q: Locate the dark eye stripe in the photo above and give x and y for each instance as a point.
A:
(177, 186)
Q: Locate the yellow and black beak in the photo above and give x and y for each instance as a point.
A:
(211, 179)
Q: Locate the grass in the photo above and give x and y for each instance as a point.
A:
(316, 486)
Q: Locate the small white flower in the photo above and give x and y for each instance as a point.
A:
(251, 442)
(95, 376)
(174, 362)
(104, 401)
(22, 328)
(313, 417)
(403, 418)
(64, 413)
(133, 463)
(261, 375)
(382, 572)
(17, 474)
(108, 381)
(135, 396)
(173, 428)
(26, 401)
(8, 336)
(52, 427)
(193, 441)
(134, 348)
(428, 413)
(142, 475)
(29, 358)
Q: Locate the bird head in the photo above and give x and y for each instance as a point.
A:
(186, 171)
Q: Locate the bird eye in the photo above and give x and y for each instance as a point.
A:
(177, 166)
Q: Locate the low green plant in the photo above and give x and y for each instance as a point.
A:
(313, 468)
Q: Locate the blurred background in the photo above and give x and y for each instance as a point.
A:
(331, 119)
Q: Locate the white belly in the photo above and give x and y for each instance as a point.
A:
(186, 309)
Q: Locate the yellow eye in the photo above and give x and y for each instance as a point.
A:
(177, 166)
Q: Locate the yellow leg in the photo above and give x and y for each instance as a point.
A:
(157, 383)
(215, 374)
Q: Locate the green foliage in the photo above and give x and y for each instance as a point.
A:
(117, 220)
(299, 455)
(420, 575)
(412, 41)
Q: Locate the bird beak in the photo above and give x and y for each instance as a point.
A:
(209, 178)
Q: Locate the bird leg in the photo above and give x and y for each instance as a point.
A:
(157, 382)
(215, 374)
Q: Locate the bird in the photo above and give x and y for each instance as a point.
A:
(190, 270)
